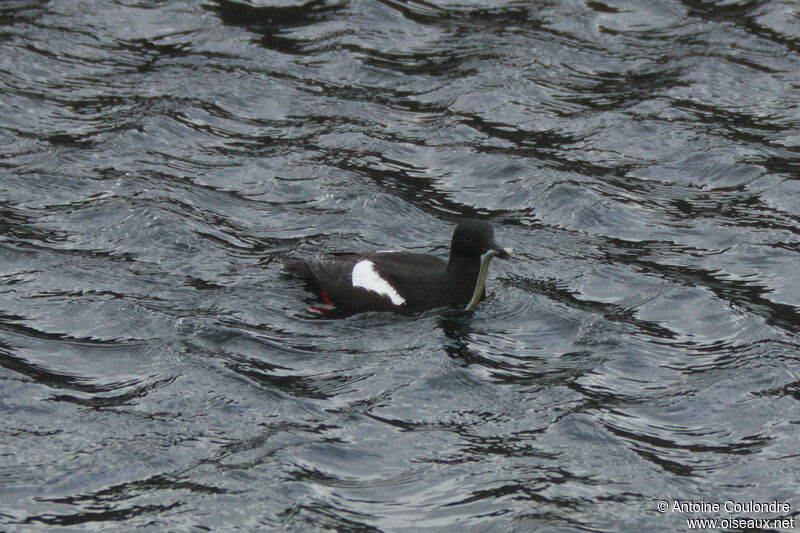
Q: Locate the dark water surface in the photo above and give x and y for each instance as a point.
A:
(158, 160)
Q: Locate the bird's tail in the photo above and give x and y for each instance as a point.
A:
(296, 266)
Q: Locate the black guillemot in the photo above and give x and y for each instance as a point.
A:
(397, 281)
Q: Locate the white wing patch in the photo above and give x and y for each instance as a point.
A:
(364, 275)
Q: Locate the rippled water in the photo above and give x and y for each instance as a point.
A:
(158, 160)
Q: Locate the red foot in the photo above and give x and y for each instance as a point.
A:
(327, 308)
(326, 298)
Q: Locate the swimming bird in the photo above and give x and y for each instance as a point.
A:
(405, 281)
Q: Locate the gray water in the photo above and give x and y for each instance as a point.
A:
(158, 161)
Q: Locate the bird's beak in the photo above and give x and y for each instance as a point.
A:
(499, 251)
